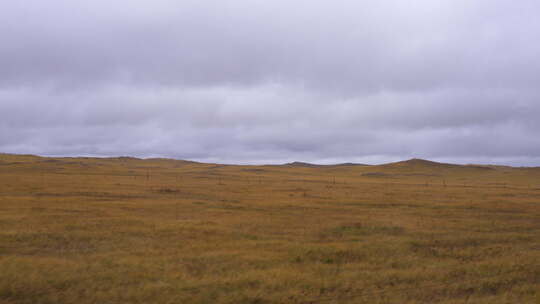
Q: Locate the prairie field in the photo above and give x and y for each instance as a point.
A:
(127, 230)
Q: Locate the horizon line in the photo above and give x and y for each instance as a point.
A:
(291, 163)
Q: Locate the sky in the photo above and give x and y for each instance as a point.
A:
(258, 81)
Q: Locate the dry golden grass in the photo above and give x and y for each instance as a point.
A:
(86, 230)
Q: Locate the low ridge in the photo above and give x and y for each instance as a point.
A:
(418, 162)
(413, 162)
(302, 164)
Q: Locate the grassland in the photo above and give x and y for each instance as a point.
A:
(125, 230)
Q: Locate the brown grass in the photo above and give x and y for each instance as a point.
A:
(123, 230)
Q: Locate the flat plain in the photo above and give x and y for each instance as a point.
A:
(127, 230)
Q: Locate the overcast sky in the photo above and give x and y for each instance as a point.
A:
(258, 81)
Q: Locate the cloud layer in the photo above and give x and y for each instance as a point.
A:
(272, 81)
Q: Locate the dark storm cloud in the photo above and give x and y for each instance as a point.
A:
(271, 81)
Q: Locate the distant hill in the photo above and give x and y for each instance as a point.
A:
(350, 164)
(309, 165)
(301, 164)
(418, 162)
(422, 165)
(414, 163)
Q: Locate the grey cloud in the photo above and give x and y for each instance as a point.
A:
(347, 46)
(271, 81)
